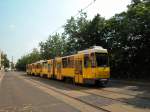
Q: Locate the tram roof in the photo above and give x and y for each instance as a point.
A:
(41, 61)
(99, 49)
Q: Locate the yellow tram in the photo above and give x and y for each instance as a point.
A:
(87, 66)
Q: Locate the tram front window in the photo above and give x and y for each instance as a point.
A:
(102, 59)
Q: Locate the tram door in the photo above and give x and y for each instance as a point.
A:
(49, 70)
(59, 77)
(78, 71)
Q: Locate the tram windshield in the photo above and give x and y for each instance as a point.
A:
(101, 59)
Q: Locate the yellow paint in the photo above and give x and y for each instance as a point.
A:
(98, 72)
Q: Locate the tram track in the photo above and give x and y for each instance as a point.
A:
(67, 89)
(141, 97)
(115, 99)
(95, 91)
(123, 93)
(97, 107)
(61, 92)
(83, 90)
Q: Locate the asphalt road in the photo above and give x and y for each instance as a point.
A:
(17, 95)
(23, 93)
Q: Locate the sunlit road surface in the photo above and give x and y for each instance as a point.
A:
(22, 93)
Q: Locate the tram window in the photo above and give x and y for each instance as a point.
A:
(58, 65)
(102, 59)
(42, 65)
(64, 62)
(38, 66)
(86, 61)
(49, 66)
(71, 62)
(93, 64)
(45, 65)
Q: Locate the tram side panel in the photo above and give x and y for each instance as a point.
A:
(68, 67)
(44, 69)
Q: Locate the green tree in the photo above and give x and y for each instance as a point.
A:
(53, 47)
(128, 35)
(135, 2)
(27, 59)
(5, 61)
(93, 33)
(82, 33)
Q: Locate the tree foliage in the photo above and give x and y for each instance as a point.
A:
(131, 43)
(5, 61)
(53, 47)
(27, 59)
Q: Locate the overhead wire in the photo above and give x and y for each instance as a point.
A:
(91, 3)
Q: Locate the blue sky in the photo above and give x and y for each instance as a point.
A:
(24, 23)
